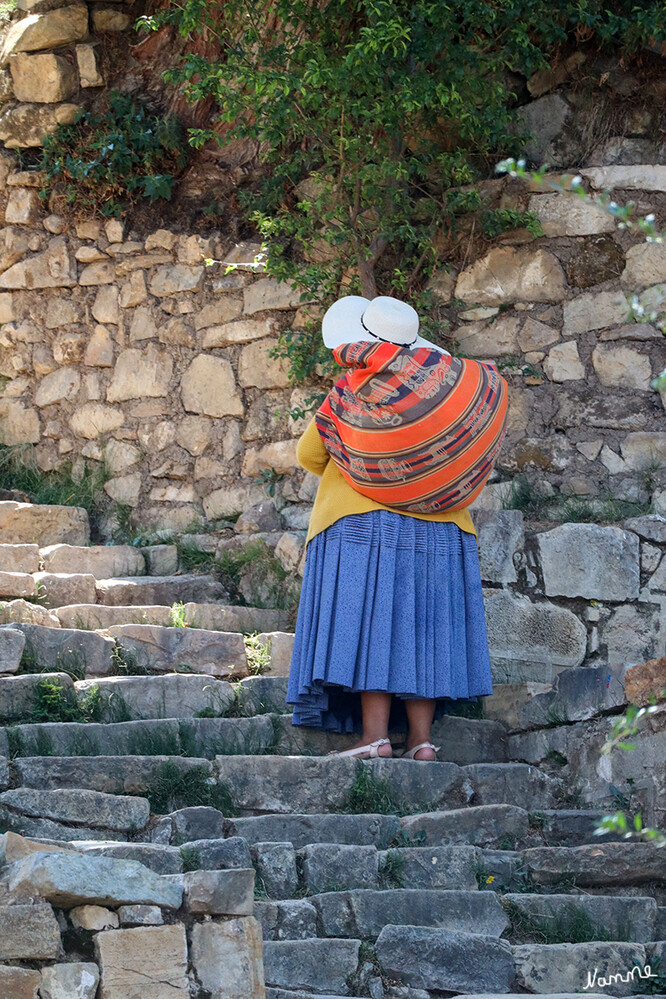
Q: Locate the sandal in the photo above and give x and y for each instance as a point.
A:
(410, 754)
(369, 752)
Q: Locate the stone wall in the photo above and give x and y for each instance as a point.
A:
(72, 921)
(134, 350)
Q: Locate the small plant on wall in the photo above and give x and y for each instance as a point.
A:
(109, 160)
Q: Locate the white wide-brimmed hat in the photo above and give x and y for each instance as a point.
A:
(383, 319)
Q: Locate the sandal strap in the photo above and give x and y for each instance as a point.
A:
(411, 753)
(372, 749)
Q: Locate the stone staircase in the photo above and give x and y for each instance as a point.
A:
(128, 739)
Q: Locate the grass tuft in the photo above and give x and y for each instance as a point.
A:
(172, 788)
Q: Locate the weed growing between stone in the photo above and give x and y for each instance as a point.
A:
(191, 858)
(172, 787)
(126, 663)
(177, 616)
(392, 871)
(258, 654)
(56, 703)
(370, 794)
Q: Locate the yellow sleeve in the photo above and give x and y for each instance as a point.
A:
(311, 452)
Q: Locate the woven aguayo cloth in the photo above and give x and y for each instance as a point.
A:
(414, 429)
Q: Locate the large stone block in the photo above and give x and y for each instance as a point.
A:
(256, 368)
(320, 966)
(644, 450)
(19, 558)
(267, 293)
(288, 919)
(18, 424)
(112, 774)
(364, 913)
(77, 980)
(19, 983)
(28, 932)
(218, 893)
(546, 968)
(53, 268)
(507, 274)
(429, 958)
(67, 650)
(595, 311)
(301, 830)
(149, 961)
(24, 126)
(531, 641)
(234, 945)
(79, 807)
(101, 561)
(155, 856)
(172, 696)
(140, 374)
(630, 634)
(185, 824)
(612, 917)
(435, 867)
(494, 784)
(25, 523)
(94, 419)
(12, 644)
(481, 825)
(45, 31)
(24, 612)
(501, 534)
(275, 864)
(160, 590)
(587, 560)
(618, 366)
(333, 867)
(208, 736)
(174, 278)
(62, 588)
(19, 695)
(219, 854)
(68, 880)
(508, 699)
(209, 387)
(44, 78)
(215, 653)
(17, 584)
(597, 865)
(577, 694)
(646, 265)
(566, 214)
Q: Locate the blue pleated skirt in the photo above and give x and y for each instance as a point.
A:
(389, 603)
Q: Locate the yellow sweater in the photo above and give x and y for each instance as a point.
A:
(336, 498)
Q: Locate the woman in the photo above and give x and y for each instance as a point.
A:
(391, 616)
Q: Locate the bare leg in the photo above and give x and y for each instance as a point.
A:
(376, 707)
(420, 714)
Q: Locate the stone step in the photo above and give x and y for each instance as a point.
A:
(286, 784)
(112, 774)
(571, 967)
(100, 561)
(29, 523)
(319, 966)
(211, 617)
(599, 865)
(166, 737)
(71, 814)
(566, 918)
(363, 914)
(131, 649)
(167, 590)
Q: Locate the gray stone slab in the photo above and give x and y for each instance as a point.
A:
(12, 644)
(217, 854)
(4, 773)
(19, 695)
(501, 534)
(569, 826)
(470, 740)
(300, 830)
(531, 641)
(318, 965)
(275, 864)
(609, 917)
(450, 867)
(27, 523)
(218, 893)
(29, 933)
(174, 695)
(333, 867)
(101, 561)
(158, 736)
(60, 588)
(211, 617)
(542, 968)
(590, 561)
(303, 784)
(363, 913)
(484, 825)
(79, 807)
(509, 783)
(231, 736)
(577, 694)
(19, 558)
(291, 919)
(66, 650)
(112, 774)
(167, 650)
(186, 824)
(165, 590)
(67, 880)
(598, 865)
(651, 528)
(432, 958)
(47, 829)
(157, 858)
(259, 695)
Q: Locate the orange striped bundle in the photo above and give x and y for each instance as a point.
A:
(414, 429)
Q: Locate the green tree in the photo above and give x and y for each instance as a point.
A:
(390, 109)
